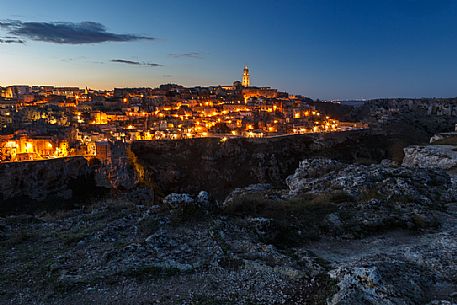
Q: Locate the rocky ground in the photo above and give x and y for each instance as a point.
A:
(339, 234)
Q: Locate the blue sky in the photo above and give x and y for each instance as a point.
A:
(330, 49)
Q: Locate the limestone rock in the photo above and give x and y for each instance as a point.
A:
(308, 171)
(41, 180)
(240, 192)
(387, 281)
(360, 181)
(118, 172)
(203, 199)
(431, 156)
(176, 200)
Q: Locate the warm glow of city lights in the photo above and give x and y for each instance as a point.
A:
(171, 112)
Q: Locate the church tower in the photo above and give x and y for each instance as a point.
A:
(246, 82)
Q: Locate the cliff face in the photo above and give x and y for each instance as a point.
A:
(40, 181)
(208, 164)
(189, 166)
(120, 171)
(418, 118)
(218, 167)
(37, 184)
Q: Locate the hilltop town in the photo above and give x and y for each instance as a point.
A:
(42, 122)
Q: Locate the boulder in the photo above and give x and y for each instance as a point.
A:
(386, 281)
(175, 200)
(310, 170)
(431, 156)
(240, 192)
(203, 199)
(363, 182)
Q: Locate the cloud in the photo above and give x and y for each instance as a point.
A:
(66, 32)
(11, 40)
(135, 63)
(187, 55)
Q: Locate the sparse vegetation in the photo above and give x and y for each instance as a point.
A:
(293, 221)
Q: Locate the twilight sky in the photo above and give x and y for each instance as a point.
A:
(330, 49)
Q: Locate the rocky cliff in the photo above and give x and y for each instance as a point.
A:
(119, 172)
(218, 167)
(25, 183)
(420, 118)
(58, 183)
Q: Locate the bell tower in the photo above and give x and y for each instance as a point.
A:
(246, 82)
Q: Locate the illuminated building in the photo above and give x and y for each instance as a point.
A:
(265, 92)
(246, 81)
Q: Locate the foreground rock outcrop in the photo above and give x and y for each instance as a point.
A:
(356, 200)
(339, 234)
(432, 156)
(393, 183)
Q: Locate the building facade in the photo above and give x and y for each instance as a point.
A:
(246, 81)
